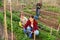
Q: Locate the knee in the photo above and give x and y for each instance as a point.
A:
(24, 30)
(36, 32)
(29, 28)
(36, 17)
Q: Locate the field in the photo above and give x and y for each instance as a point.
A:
(48, 22)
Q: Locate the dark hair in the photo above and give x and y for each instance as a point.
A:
(39, 4)
(32, 16)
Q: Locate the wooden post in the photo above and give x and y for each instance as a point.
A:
(40, 1)
(51, 31)
(11, 20)
(58, 28)
(34, 37)
(17, 7)
(58, 24)
(17, 2)
(5, 24)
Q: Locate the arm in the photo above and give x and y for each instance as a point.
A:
(36, 27)
(25, 26)
(26, 20)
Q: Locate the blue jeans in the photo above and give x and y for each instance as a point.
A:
(37, 13)
(29, 31)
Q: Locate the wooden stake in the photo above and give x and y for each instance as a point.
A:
(58, 28)
(40, 1)
(34, 37)
(5, 24)
(11, 21)
(51, 31)
(17, 2)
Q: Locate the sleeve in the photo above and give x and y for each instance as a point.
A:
(26, 19)
(27, 23)
(20, 20)
(36, 27)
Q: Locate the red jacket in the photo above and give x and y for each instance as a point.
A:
(35, 27)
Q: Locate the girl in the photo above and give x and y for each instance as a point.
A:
(31, 27)
(23, 19)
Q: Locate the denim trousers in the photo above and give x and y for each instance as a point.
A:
(29, 31)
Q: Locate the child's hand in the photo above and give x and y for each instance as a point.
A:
(20, 24)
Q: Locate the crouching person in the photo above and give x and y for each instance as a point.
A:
(31, 27)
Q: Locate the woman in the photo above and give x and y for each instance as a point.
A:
(31, 26)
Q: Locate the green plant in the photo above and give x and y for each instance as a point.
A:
(1, 4)
(14, 17)
(51, 8)
(19, 34)
(46, 36)
(1, 17)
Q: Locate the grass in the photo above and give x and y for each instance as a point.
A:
(19, 33)
(17, 30)
(34, 13)
(44, 34)
(47, 29)
(46, 7)
(51, 8)
(1, 4)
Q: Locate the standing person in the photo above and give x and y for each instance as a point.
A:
(38, 7)
(23, 19)
(31, 27)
